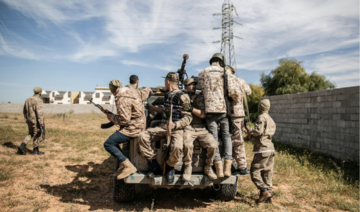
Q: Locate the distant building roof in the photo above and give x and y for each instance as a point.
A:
(102, 88)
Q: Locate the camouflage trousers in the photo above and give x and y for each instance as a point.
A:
(205, 139)
(261, 170)
(176, 144)
(238, 143)
(34, 133)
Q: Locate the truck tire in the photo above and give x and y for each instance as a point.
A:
(226, 192)
(122, 192)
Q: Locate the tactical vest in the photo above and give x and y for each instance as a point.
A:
(176, 102)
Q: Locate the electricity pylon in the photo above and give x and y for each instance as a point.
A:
(227, 35)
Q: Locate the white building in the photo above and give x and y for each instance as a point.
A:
(101, 95)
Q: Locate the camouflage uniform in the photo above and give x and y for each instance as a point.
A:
(197, 130)
(177, 142)
(130, 109)
(238, 120)
(212, 84)
(34, 118)
(262, 165)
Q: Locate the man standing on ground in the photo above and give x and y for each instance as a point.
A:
(34, 118)
(131, 119)
(211, 81)
(261, 170)
(238, 119)
(197, 130)
(180, 119)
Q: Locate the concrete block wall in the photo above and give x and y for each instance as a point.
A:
(323, 121)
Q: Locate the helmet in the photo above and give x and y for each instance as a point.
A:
(232, 69)
(219, 56)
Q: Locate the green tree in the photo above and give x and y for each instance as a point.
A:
(253, 100)
(290, 77)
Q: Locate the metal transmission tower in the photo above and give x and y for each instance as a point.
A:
(227, 35)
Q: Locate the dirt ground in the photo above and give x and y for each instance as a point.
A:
(74, 175)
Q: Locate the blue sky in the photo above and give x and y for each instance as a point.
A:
(77, 45)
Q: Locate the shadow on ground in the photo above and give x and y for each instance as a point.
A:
(93, 186)
(11, 145)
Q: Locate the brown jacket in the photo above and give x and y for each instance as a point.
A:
(239, 106)
(211, 81)
(33, 110)
(130, 110)
(263, 131)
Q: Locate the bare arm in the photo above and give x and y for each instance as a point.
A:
(154, 108)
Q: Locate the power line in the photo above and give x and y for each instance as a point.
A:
(92, 36)
(45, 27)
(126, 21)
(117, 11)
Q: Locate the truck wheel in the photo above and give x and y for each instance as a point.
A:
(122, 192)
(226, 192)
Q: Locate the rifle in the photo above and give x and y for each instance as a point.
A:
(247, 116)
(168, 134)
(182, 72)
(106, 125)
(43, 132)
(228, 103)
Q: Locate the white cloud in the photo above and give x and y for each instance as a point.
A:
(272, 30)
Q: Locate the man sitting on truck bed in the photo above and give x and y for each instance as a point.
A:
(131, 119)
(197, 130)
(180, 119)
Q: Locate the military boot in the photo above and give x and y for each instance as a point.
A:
(269, 200)
(264, 195)
(227, 168)
(22, 149)
(170, 174)
(209, 172)
(154, 168)
(243, 171)
(126, 168)
(37, 152)
(187, 172)
(219, 169)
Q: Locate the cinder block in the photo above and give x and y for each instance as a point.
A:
(340, 110)
(354, 131)
(354, 103)
(350, 124)
(354, 117)
(340, 136)
(353, 96)
(349, 138)
(336, 116)
(340, 97)
(328, 104)
(341, 123)
(345, 117)
(336, 104)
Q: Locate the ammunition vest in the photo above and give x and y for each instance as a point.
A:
(176, 102)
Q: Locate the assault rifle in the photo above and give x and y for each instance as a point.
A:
(106, 125)
(168, 134)
(182, 72)
(228, 103)
(43, 133)
(247, 117)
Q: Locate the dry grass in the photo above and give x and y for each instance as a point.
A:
(74, 173)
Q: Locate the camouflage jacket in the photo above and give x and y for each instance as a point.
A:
(212, 85)
(186, 117)
(33, 110)
(130, 111)
(198, 102)
(239, 106)
(263, 131)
